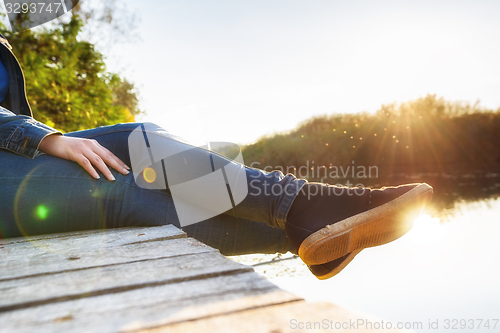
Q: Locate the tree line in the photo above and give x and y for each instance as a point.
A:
(425, 135)
(67, 83)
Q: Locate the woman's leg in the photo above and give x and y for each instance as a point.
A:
(270, 194)
(52, 195)
(325, 222)
(49, 195)
(234, 236)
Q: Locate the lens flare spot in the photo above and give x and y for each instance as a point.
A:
(42, 212)
(149, 175)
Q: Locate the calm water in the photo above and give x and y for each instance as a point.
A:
(445, 268)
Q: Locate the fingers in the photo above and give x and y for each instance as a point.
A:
(97, 161)
(91, 156)
(102, 158)
(85, 163)
(112, 160)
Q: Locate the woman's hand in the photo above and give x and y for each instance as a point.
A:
(86, 152)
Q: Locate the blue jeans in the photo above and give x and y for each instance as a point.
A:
(51, 195)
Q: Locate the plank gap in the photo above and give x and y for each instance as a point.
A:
(221, 314)
(209, 250)
(123, 289)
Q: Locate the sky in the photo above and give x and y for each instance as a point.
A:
(237, 70)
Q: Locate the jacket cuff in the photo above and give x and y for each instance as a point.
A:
(28, 137)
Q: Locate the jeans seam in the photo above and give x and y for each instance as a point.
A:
(286, 204)
(92, 135)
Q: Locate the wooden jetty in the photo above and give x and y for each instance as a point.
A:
(145, 280)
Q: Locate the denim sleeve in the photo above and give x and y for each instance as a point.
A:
(22, 134)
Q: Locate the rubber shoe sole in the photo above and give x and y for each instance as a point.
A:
(323, 273)
(377, 226)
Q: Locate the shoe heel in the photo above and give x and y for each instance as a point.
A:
(379, 226)
(324, 250)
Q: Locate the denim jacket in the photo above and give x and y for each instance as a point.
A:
(19, 132)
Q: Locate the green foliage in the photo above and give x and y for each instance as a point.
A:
(67, 84)
(424, 135)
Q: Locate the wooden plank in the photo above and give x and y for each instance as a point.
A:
(39, 262)
(147, 307)
(26, 239)
(289, 317)
(245, 301)
(147, 280)
(120, 232)
(43, 289)
(11, 249)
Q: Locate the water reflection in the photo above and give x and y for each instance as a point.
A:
(437, 271)
(451, 190)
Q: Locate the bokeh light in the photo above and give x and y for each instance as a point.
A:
(149, 175)
(42, 212)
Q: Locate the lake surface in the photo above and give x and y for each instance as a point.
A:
(442, 276)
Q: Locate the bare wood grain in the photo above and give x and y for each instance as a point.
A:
(12, 249)
(147, 307)
(37, 290)
(38, 262)
(288, 317)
